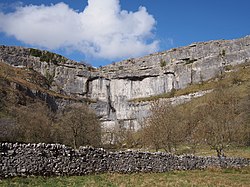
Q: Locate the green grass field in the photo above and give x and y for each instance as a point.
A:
(232, 152)
(209, 177)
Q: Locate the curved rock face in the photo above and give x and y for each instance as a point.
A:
(114, 86)
(117, 84)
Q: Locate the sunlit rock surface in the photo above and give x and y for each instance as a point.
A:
(113, 88)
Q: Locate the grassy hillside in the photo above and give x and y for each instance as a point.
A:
(10, 79)
(25, 77)
(16, 85)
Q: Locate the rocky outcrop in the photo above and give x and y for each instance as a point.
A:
(114, 87)
(155, 74)
(58, 160)
(66, 76)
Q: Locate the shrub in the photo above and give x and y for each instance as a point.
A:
(81, 126)
(163, 63)
(49, 77)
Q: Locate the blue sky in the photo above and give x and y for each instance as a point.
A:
(103, 31)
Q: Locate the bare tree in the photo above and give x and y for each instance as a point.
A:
(124, 137)
(7, 129)
(219, 120)
(164, 127)
(244, 119)
(33, 123)
(80, 126)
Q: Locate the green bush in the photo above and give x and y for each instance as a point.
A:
(49, 77)
(35, 52)
(163, 63)
(46, 56)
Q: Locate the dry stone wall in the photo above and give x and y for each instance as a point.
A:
(59, 160)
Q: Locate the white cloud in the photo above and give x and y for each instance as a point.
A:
(101, 30)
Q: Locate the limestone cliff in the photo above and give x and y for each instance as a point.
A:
(115, 87)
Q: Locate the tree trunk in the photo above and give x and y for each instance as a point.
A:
(169, 148)
(220, 152)
(74, 142)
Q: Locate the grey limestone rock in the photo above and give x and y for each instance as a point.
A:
(114, 86)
